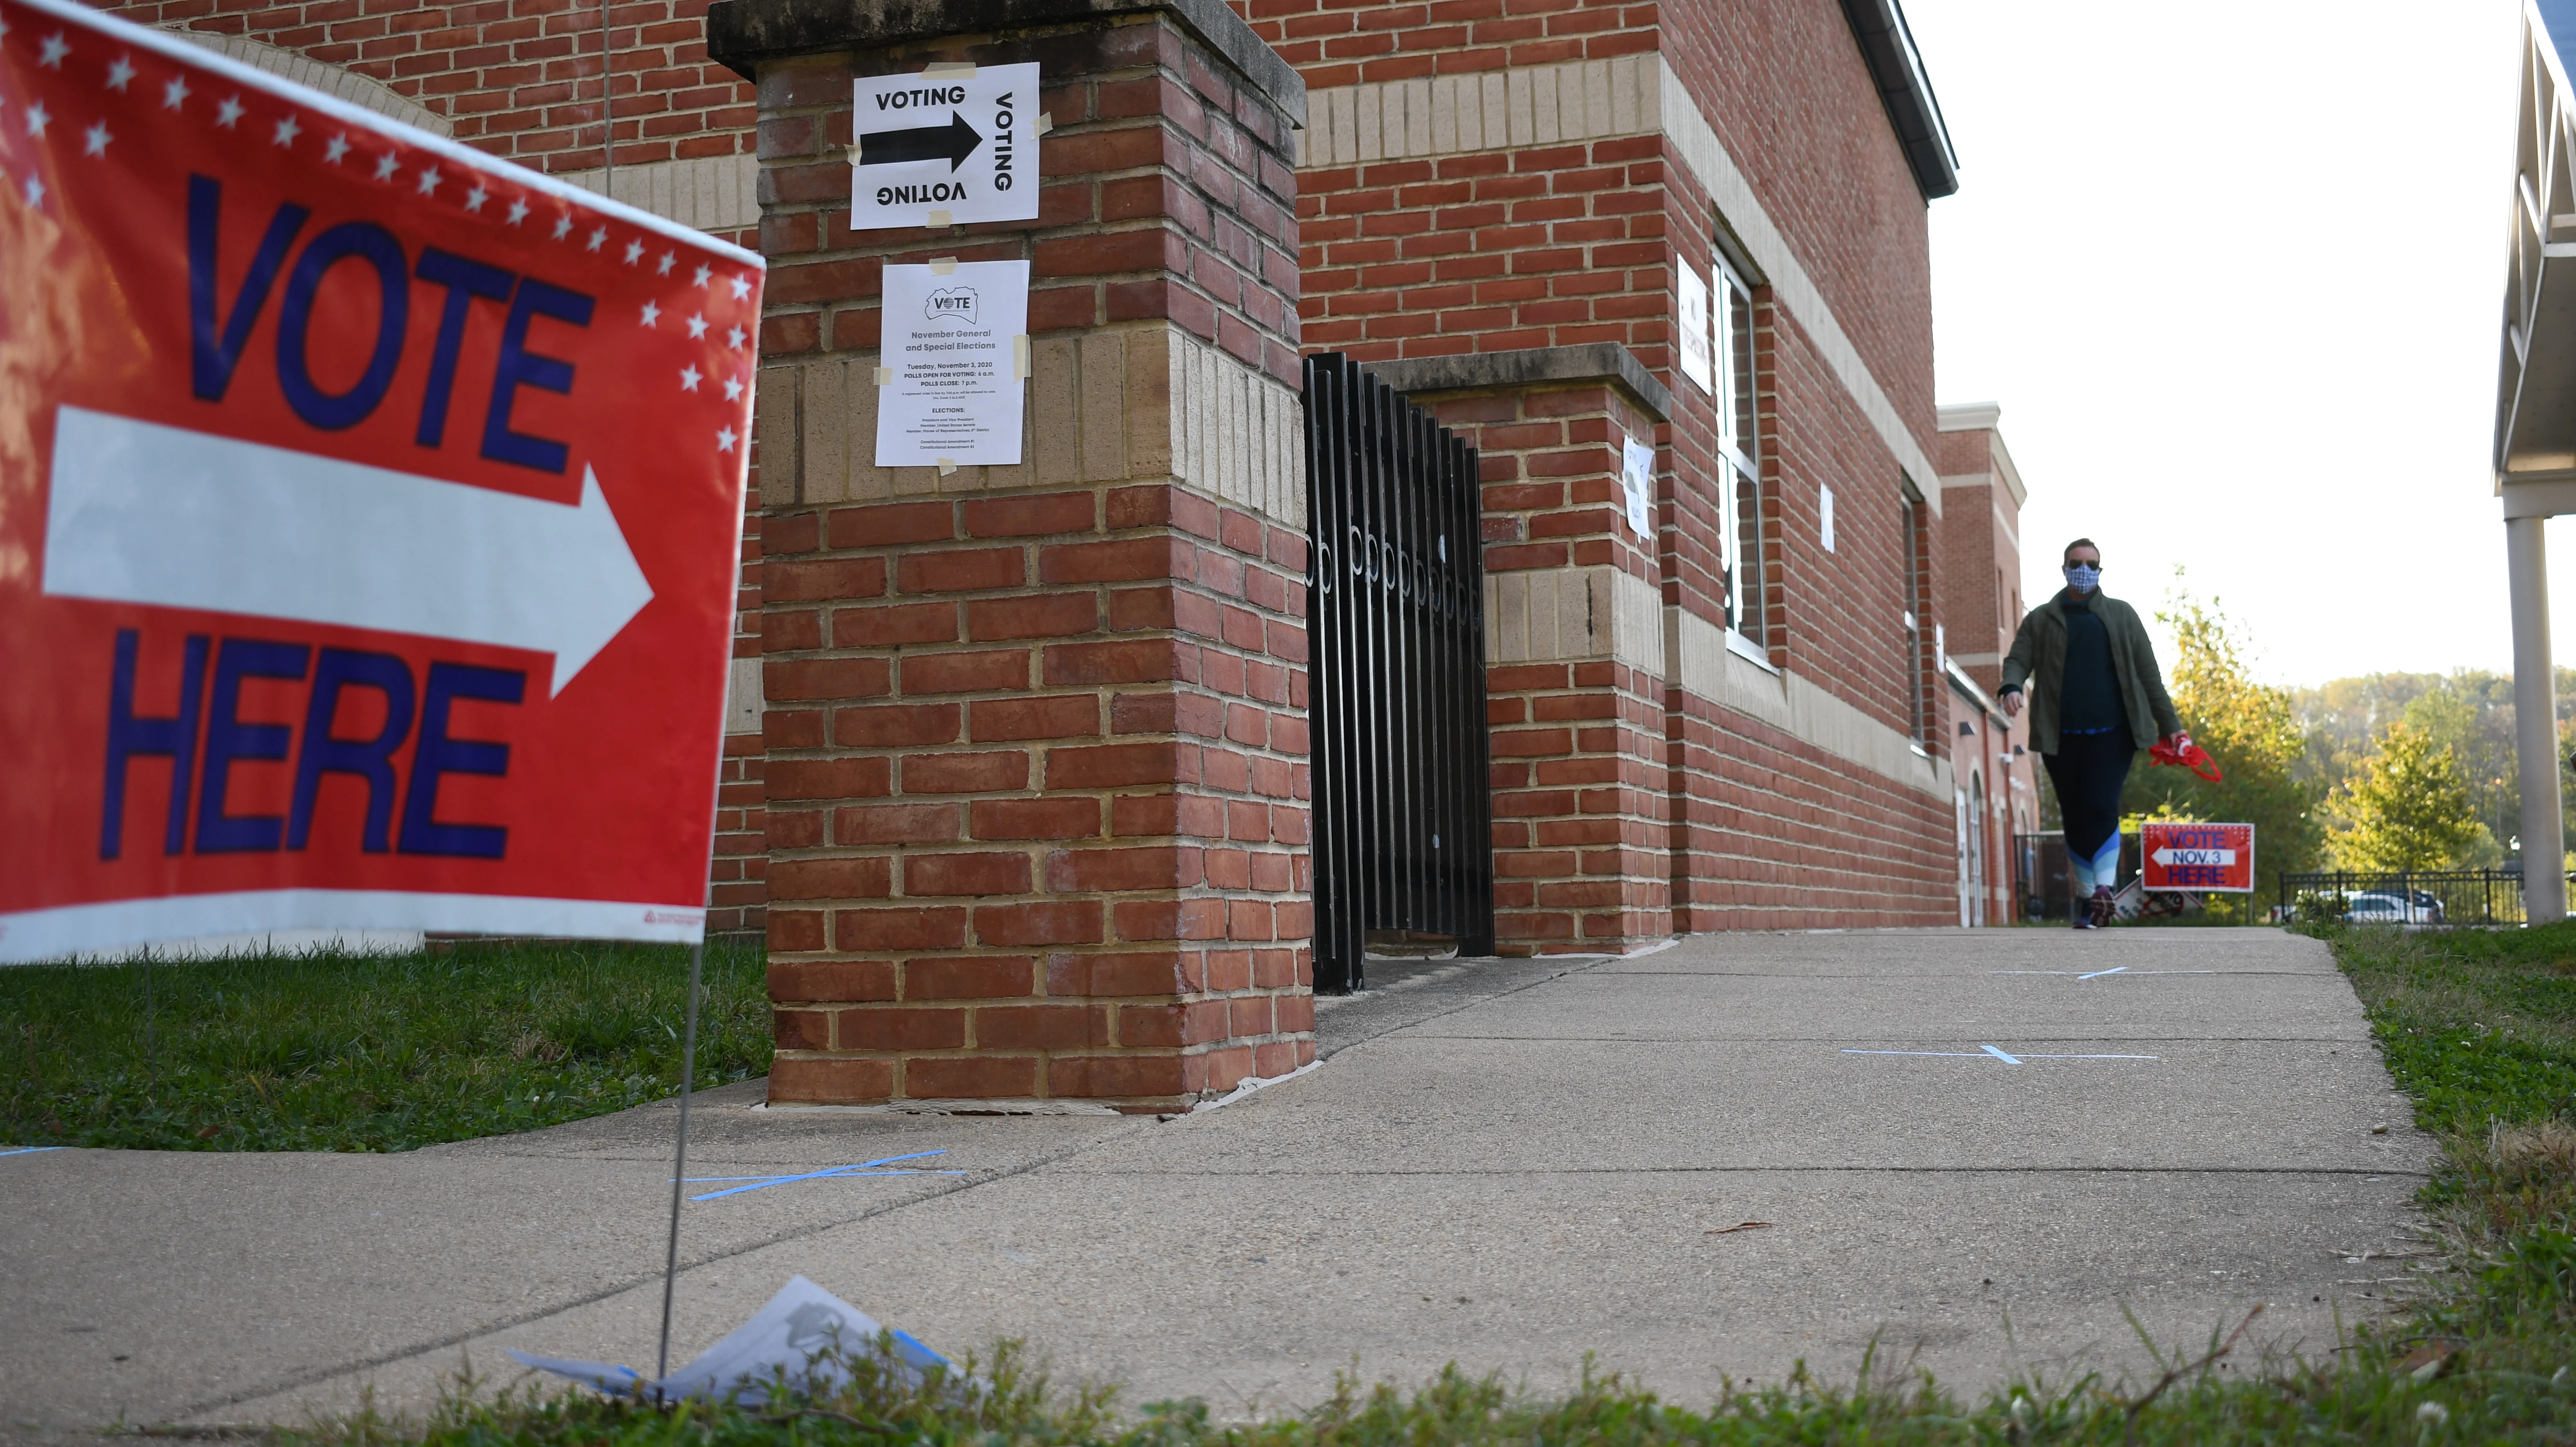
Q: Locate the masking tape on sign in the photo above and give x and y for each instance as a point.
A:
(943, 266)
(1046, 123)
(956, 69)
(947, 466)
(940, 217)
(1020, 358)
(884, 375)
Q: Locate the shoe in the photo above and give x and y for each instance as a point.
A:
(2105, 908)
(2084, 918)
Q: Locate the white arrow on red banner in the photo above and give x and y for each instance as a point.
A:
(143, 513)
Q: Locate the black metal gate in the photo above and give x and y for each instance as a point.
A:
(1403, 808)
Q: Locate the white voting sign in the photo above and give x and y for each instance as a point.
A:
(953, 144)
(956, 351)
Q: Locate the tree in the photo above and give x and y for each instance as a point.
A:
(2469, 709)
(2408, 807)
(2251, 731)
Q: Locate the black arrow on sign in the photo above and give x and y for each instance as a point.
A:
(955, 141)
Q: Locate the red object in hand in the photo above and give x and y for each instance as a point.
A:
(2188, 754)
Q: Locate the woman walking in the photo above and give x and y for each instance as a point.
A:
(2095, 691)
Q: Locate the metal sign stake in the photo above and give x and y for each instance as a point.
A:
(680, 1157)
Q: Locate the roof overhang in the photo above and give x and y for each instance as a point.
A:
(1966, 687)
(1906, 90)
(2535, 430)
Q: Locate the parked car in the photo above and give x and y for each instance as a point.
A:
(2389, 907)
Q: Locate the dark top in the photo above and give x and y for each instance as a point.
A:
(2089, 696)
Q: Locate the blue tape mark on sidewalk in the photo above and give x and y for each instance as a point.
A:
(33, 1150)
(2097, 974)
(1952, 1054)
(836, 1173)
(1989, 1052)
(2092, 1057)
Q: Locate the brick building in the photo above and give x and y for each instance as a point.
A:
(1017, 784)
(1998, 776)
(1526, 216)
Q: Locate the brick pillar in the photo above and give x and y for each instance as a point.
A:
(737, 891)
(1574, 640)
(1035, 736)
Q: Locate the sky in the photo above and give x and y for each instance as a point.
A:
(2234, 269)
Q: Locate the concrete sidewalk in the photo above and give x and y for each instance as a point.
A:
(1502, 1163)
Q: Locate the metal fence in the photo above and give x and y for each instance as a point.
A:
(2421, 898)
(1403, 809)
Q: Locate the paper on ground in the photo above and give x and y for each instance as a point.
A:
(801, 1322)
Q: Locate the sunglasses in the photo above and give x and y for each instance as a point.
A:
(2096, 567)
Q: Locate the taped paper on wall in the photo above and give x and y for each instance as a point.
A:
(955, 399)
(802, 1323)
(945, 144)
(1637, 485)
(1698, 361)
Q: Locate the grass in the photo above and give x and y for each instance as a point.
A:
(364, 1052)
(2479, 1027)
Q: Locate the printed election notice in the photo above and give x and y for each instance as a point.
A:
(956, 354)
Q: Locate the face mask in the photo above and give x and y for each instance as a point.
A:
(2083, 579)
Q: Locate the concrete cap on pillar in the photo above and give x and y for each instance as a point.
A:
(743, 33)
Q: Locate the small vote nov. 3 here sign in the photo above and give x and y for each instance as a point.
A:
(369, 517)
(2198, 856)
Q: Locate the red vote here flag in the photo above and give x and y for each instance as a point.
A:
(370, 514)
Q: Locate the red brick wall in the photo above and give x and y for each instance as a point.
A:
(1977, 583)
(1571, 244)
(1782, 835)
(1489, 252)
(1784, 85)
(737, 885)
(517, 78)
(1037, 768)
(1581, 829)
(1981, 587)
(1625, 805)
(1036, 775)
(1538, 246)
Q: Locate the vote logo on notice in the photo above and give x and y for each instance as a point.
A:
(955, 303)
(2198, 857)
(949, 145)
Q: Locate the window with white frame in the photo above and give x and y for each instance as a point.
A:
(1739, 452)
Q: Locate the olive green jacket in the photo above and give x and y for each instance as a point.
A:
(2038, 658)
